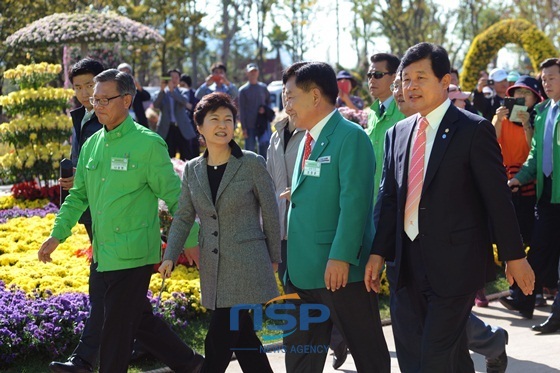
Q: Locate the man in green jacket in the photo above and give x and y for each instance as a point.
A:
(384, 111)
(122, 171)
(330, 225)
(543, 164)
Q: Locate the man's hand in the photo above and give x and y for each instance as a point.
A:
(372, 276)
(482, 82)
(47, 248)
(336, 274)
(514, 184)
(66, 182)
(166, 268)
(520, 271)
(193, 255)
(275, 267)
(245, 134)
(286, 194)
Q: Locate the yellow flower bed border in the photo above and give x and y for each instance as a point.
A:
(485, 46)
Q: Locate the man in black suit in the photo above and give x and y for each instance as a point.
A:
(443, 183)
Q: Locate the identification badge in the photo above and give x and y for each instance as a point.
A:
(325, 159)
(312, 168)
(119, 164)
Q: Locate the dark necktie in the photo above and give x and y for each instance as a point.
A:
(381, 110)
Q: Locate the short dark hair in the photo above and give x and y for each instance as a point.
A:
(454, 71)
(311, 75)
(433, 52)
(85, 66)
(549, 62)
(186, 79)
(211, 103)
(125, 82)
(173, 71)
(393, 61)
(218, 65)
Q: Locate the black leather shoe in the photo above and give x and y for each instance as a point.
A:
(497, 365)
(547, 327)
(512, 305)
(340, 355)
(74, 365)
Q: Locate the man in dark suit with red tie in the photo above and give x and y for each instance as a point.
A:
(443, 186)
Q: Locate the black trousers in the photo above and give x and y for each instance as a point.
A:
(221, 342)
(88, 346)
(128, 314)
(177, 143)
(439, 322)
(355, 312)
(545, 247)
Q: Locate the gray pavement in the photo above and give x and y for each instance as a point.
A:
(527, 351)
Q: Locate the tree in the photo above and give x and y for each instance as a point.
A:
(299, 13)
(362, 28)
(262, 8)
(543, 14)
(234, 16)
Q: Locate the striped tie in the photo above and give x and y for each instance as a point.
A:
(306, 149)
(415, 181)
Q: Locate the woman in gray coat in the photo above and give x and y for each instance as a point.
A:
(230, 190)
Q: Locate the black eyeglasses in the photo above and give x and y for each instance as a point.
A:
(377, 74)
(102, 101)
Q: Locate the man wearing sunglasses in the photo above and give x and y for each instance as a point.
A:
(384, 112)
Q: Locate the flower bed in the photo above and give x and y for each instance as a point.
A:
(43, 306)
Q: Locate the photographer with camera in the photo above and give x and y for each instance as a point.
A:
(497, 80)
(217, 82)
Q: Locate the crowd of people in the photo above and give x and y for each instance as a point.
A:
(437, 176)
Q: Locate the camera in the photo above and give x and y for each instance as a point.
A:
(490, 81)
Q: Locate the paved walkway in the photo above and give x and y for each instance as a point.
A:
(528, 352)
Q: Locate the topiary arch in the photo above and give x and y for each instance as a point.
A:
(487, 44)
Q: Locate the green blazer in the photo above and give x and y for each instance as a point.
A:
(532, 169)
(330, 216)
(123, 203)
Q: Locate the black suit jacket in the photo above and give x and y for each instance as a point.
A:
(464, 193)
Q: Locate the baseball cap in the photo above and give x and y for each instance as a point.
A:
(498, 75)
(124, 65)
(513, 76)
(251, 67)
(488, 92)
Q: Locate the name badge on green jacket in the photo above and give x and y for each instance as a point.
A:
(119, 164)
(312, 168)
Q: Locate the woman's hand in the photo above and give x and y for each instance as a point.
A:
(193, 255)
(166, 268)
(501, 113)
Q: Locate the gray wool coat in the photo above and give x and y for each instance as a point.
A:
(236, 251)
